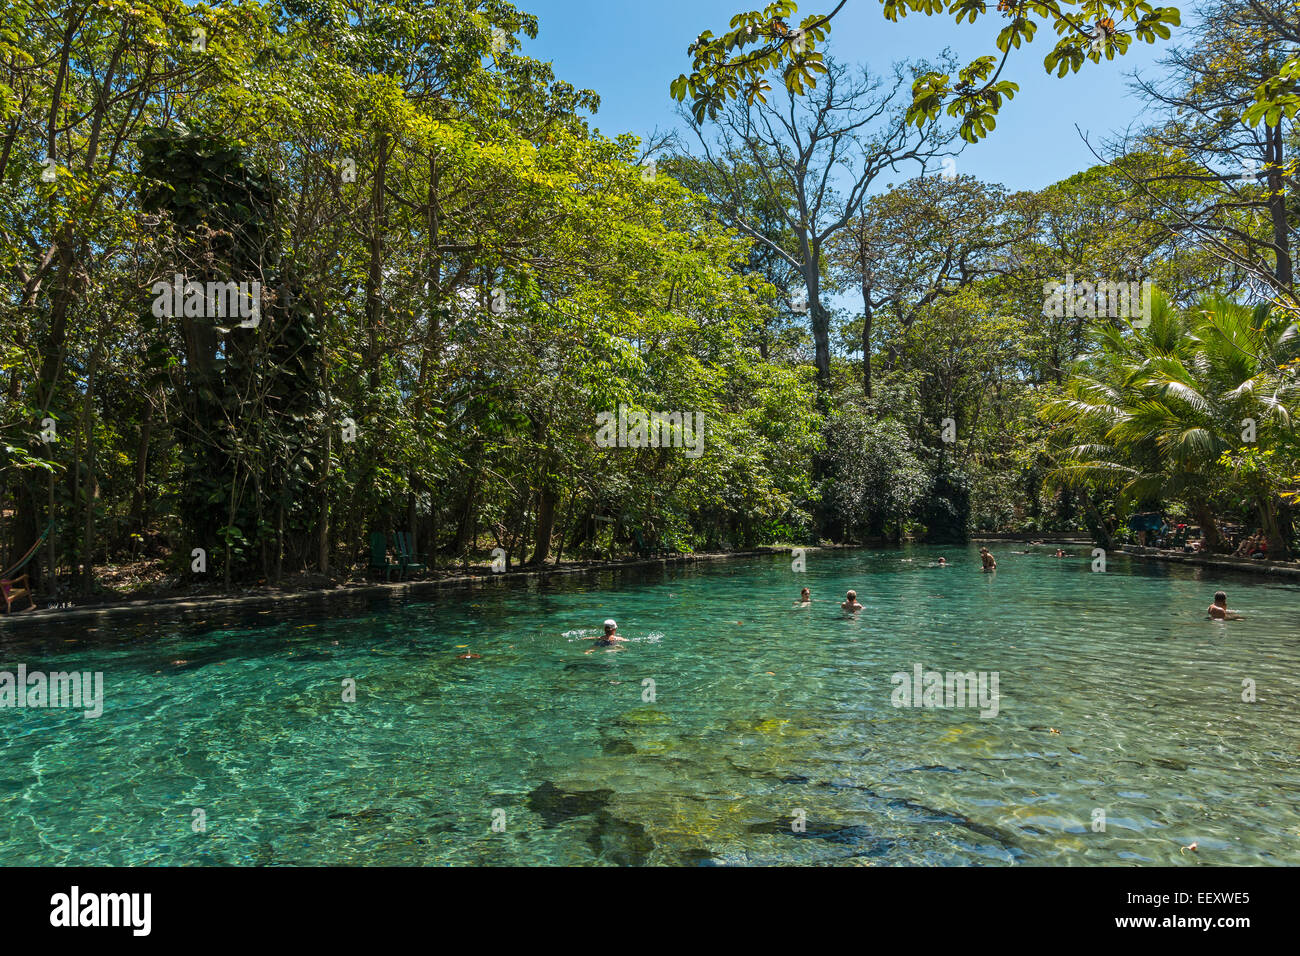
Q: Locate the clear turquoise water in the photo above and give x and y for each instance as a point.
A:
(761, 710)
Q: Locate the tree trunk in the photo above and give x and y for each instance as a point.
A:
(323, 508)
(1277, 207)
(138, 520)
(868, 320)
(375, 276)
(1278, 547)
(818, 318)
(820, 321)
(92, 485)
(1209, 530)
(545, 527)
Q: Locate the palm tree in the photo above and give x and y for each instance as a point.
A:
(1155, 413)
(1245, 382)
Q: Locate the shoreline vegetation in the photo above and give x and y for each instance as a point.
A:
(306, 591)
(276, 312)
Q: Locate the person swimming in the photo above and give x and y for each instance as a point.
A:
(943, 562)
(1218, 611)
(990, 563)
(851, 602)
(805, 596)
(609, 638)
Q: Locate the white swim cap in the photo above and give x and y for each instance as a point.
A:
(611, 623)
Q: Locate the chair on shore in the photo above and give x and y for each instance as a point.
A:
(10, 577)
(409, 560)
(379, 555)
(11, 593)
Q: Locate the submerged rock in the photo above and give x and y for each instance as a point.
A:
(642, 716)
(619, 841)
(555, 806)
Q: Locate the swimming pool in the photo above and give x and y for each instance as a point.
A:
(734, 728)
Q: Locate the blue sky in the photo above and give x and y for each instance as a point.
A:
(629, 52)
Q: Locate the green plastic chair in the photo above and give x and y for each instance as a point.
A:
(379, 555)
(410, 561)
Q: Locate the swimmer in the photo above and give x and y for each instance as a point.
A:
(1218, 611)
(1060, 553)
(805, 597)
(990, 564)
(943, 562)
(609, 638)
(851, 602)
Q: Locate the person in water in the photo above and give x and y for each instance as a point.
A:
(1219, 609)
(851, 602)
(805, 596)
(990, 564)
(609, 638)
(943, 562)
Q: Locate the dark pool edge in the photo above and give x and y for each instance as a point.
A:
(1221, 561)
(166, 607)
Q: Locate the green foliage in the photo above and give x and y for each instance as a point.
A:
(879, 479)
(760, 42)
(1197, 406)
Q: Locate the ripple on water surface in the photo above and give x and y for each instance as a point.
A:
(730, 714)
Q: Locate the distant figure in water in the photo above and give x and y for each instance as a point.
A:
(851, 602)
(1219, 609)
(609, 638)
(1060, 553)
(989, 563)
(943, 562)
(805, 596)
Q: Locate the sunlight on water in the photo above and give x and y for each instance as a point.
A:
(1117, 696)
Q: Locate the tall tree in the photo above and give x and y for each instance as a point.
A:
(822, 153)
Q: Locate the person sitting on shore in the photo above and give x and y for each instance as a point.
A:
(1260, 550)
(990, 563)
(1218, 611)
(851, 602)
(1247, 546)
(609, 638)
